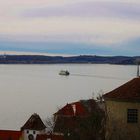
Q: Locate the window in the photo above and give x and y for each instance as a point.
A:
(33, 132)
(132, 115)
(27, 131)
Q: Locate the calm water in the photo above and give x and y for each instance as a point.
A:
(25, 89)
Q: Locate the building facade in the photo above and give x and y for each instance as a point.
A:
(123, 112)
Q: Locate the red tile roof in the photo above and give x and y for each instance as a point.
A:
(66, 110)
(128, 91)
(10, 135)
(34, 123)
(81, 108)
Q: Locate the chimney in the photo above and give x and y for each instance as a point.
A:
(138, 70)
(138, 75)
(74, 109)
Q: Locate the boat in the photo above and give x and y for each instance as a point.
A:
(64, 72)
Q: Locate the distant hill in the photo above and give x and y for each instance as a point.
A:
(42, 59)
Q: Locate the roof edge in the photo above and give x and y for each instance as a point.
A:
(122, 100)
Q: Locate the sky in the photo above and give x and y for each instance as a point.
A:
(98, 27)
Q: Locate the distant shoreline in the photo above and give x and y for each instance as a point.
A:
(81, 59)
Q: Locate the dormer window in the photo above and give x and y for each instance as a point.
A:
(132, 115)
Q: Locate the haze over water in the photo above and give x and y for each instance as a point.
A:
(26, 89)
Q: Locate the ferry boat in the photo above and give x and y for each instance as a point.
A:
(64, 72)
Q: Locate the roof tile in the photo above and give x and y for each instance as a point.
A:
(34, 123)
(128, 91)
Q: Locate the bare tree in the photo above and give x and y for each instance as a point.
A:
(49, 122)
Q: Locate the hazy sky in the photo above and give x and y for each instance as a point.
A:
(101, 27)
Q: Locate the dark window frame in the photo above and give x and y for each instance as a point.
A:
(132, 115)
(34, 132)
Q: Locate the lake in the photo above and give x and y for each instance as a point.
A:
(28, 89)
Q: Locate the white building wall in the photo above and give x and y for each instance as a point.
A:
(28, 132)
